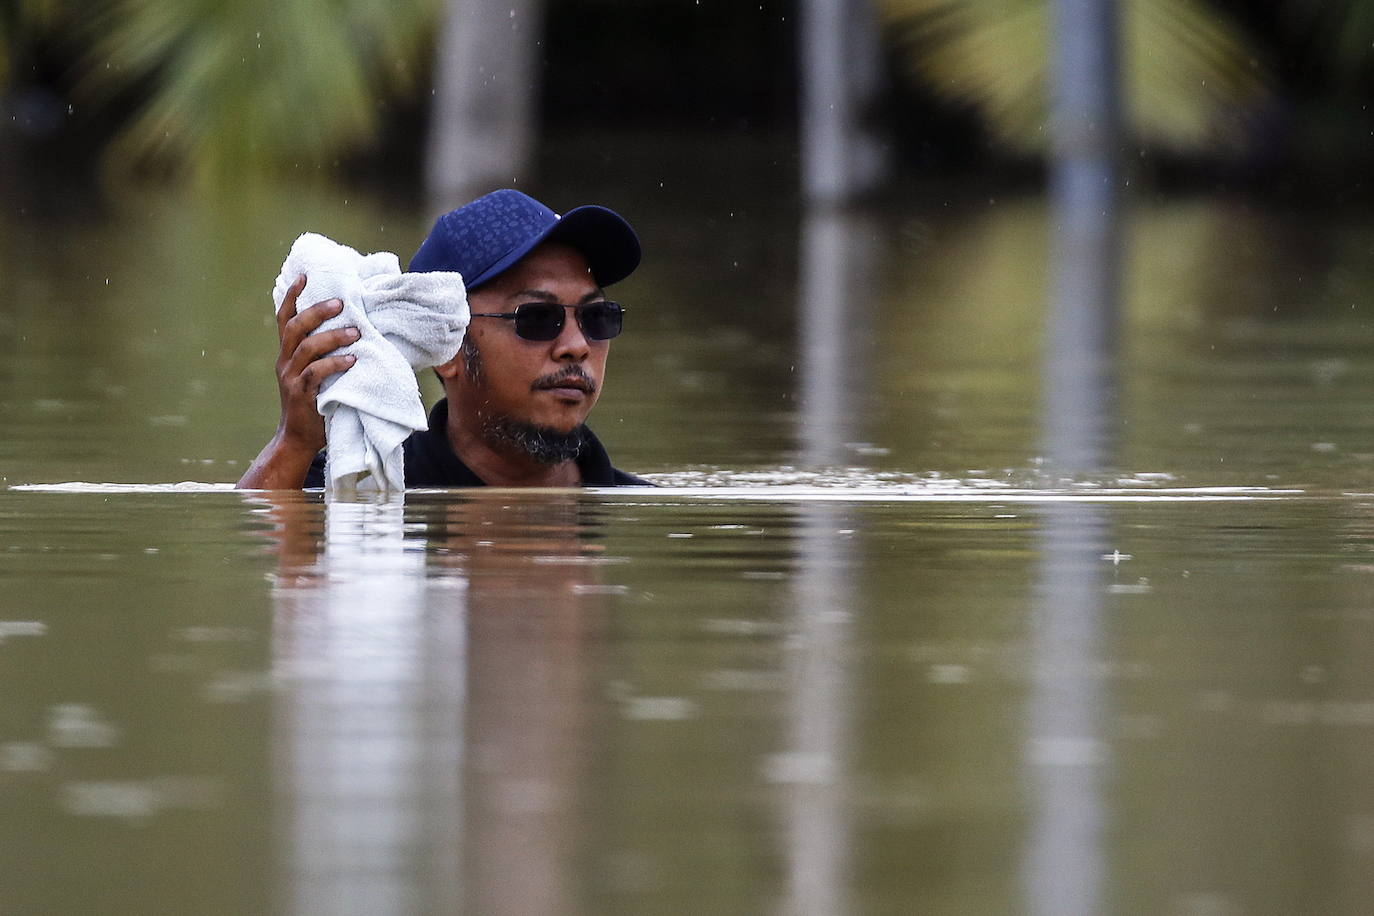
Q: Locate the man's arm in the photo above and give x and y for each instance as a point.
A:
(302, 364)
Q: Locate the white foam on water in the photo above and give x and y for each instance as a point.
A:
(787, 485)
(78, 486)
(905, 494)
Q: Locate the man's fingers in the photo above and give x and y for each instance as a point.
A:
(288, 305)
(305, 322)
(317, 345)
(321, 369)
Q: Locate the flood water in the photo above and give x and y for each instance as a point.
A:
(864, 651)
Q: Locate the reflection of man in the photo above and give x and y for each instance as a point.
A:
(469, 706)
(530, 368)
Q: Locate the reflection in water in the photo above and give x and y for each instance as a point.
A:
(368, 737)
(430, 742)
(535, 614)
(837, 280)
(1065, 750)
(818, 712)
(140, 727)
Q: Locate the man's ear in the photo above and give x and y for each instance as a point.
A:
(450, 369)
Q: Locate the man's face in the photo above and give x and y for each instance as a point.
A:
(550, 384)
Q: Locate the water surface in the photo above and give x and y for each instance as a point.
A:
(865, 651)
(562, 702)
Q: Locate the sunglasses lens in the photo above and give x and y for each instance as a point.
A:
(544, 321)
(602, 321)
(539, 321)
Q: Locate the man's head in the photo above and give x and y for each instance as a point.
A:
(524, 385)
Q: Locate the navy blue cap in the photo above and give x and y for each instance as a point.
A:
(487, 236)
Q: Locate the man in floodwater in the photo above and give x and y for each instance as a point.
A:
(531, 364)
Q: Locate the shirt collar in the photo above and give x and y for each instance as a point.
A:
(593, 462)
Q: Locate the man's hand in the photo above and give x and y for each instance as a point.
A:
(302, 366)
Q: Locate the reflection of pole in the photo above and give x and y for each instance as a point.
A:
(836, 286)
(841, 71)
(1080, 338)
(818, 710)
(1065, 750)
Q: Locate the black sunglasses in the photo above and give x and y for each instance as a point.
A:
(544, 320)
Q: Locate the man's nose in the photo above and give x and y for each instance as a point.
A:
(571, 344)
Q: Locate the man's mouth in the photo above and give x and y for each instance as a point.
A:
(573, 384)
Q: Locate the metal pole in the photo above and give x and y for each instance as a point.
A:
(485, 88)
(1066, 752)
(1081, 331)
(841, 74)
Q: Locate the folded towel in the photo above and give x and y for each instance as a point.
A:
(409, 321)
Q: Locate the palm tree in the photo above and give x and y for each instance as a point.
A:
(234, 87)
(1189, 75)
(224, 88)
(228, 86)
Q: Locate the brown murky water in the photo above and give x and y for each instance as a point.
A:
(864, 654)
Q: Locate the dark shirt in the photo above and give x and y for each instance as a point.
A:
(431, 462)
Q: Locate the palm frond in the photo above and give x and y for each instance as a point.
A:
(1188, 75)
(237, 86)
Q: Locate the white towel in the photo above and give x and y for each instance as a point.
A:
(409, 321)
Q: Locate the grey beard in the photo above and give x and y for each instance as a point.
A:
(540, 444)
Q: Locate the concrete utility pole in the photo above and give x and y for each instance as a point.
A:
(486, 84)
(1067, 752)
(843, 154)
(1080, 339)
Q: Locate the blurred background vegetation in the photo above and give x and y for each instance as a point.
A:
(1228, 93)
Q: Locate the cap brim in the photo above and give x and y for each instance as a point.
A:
(603, 236)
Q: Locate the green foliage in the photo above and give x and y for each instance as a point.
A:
(234, 87)
(221, 88)
(1341, 33)
(20, 22)
(1187, 72)
(227, 87)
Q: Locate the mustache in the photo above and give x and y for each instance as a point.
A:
(572, 377)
